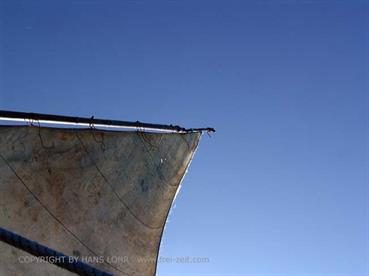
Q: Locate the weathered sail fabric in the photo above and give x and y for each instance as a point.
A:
(102, 196)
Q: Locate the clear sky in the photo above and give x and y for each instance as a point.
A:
(282, 187)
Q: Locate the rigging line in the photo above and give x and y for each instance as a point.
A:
(161, 176)
(49, 212)
(102, 143)
(188, 145)
(41, 140)
(143, 142)
(115, 193)
(147, 140)
(93, 130)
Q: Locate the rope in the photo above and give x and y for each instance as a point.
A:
(69, 263)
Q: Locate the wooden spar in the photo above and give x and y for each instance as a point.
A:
(83, 121)
(69, 263)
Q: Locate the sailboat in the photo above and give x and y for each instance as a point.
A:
(96, 190)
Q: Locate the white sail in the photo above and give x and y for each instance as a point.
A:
(102, 196)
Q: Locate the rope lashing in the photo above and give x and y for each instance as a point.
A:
(69, 263)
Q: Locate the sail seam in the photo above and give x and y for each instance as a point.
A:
(161, 176)
(143, 140)
(49, 212)
(113, 190)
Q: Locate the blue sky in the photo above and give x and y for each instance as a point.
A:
(282, 187)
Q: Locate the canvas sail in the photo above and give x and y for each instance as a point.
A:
(89, 193)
